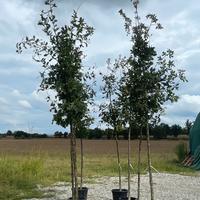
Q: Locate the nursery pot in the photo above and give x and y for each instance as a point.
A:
(119, 194)
(82, 193)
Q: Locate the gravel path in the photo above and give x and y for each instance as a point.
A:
(166, 187)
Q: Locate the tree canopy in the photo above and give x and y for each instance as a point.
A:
(149, 80)
(61, 58)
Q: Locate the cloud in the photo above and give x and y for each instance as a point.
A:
(39, 96)
(187, 107)
(16, 93)
(3, 100)
(24, 103)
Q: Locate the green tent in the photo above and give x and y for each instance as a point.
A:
(194, 137)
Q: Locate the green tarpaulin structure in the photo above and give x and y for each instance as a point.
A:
(194, 135)
(194, 142)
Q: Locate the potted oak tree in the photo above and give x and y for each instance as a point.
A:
(148, 80)
(61, 58)
(110, 114)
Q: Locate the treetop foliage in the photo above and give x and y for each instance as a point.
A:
(110, 109)
(148, 80)
(61, 58)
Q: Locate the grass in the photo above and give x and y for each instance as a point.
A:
(181, 151)
(20, 173)
(19, 176)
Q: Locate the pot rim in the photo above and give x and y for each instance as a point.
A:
(118, 190)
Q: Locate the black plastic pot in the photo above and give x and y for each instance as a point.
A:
(132, 198)
(82, 193)
(119, 194)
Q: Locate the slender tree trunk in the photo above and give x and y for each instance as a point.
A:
(129, 162)
(149, 163)
(74, 165)
(139, 163)
(75, 169)
(118, 159)
(81, 185)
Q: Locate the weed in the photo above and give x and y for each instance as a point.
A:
(181, 151)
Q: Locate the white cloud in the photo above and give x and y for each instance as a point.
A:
(191, 99)
(12, 122)
(3, 100)
(16, 93)
(39, 96)
(11, 10)
(24, 103)
(187, 107)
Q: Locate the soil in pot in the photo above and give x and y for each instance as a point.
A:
(119, 194)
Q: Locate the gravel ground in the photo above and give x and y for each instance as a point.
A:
(166, 187)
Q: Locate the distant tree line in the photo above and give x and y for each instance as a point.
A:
(22, 135)
(160, 131)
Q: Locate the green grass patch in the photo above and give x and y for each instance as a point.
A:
(19, 177)
(181, 151)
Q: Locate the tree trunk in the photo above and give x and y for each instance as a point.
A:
(149, 163)
(118, 159)
(81, 185)
(139, 163)
(75, 169)
(129, 162)
(73, 165)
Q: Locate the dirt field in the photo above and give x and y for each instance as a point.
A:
(91, 147)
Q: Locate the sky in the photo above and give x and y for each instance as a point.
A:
(22, 107)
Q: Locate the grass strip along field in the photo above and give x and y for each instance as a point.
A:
(24, 164)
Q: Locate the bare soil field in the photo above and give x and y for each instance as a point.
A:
(91, 147)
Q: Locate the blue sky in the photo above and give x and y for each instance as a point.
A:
(23, 108)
